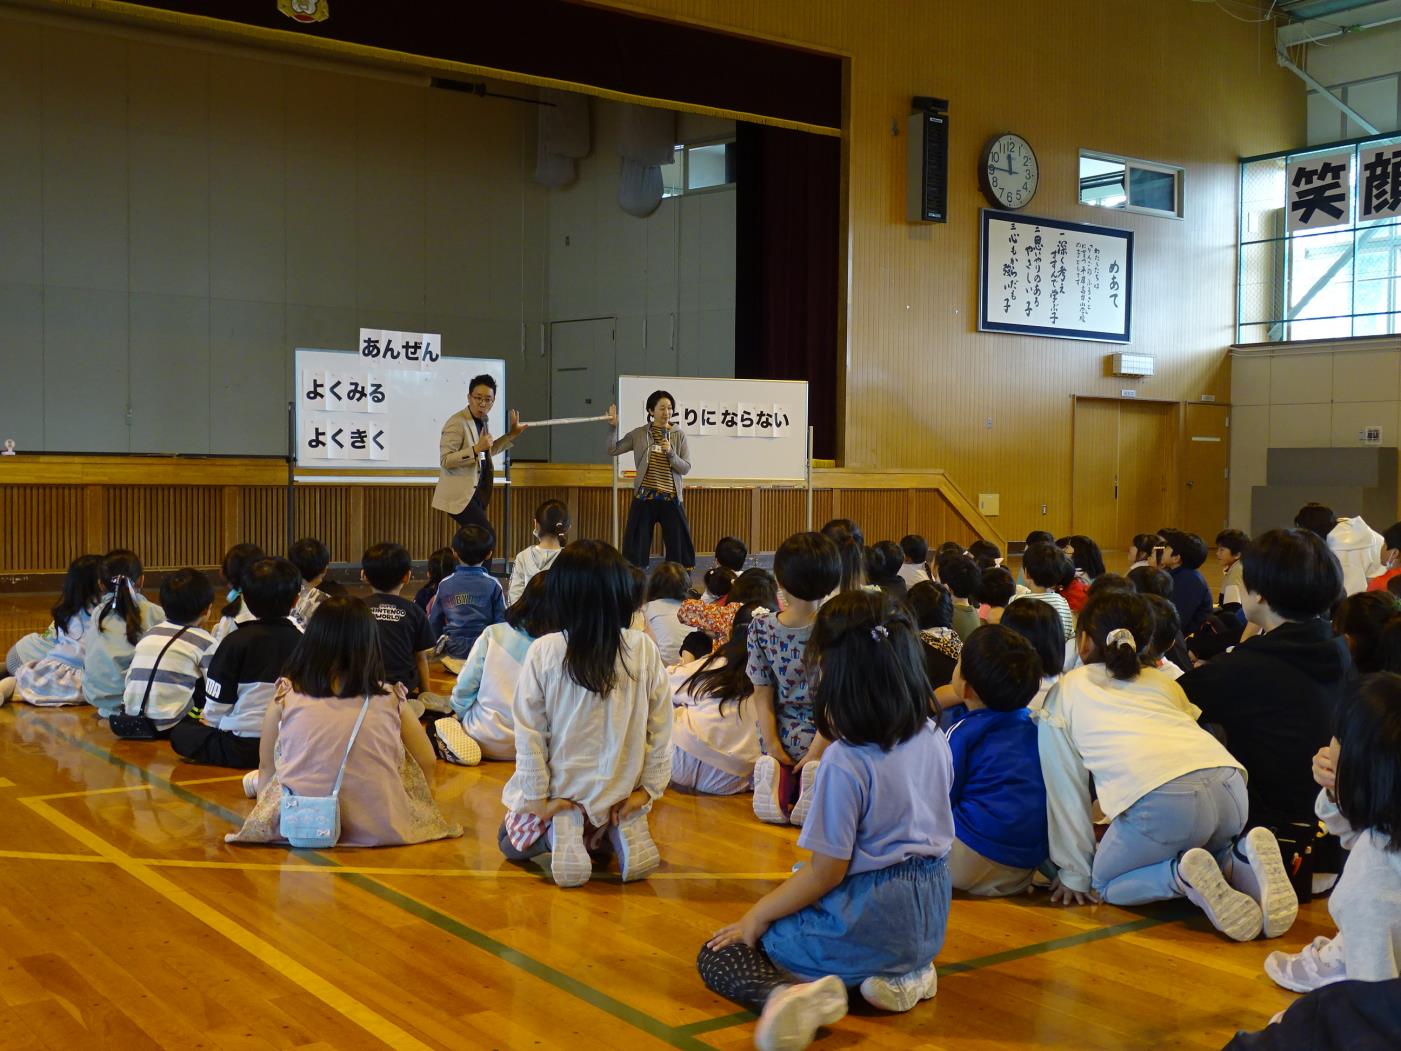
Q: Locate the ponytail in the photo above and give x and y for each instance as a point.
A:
(236, 563)
(120, 570)
(553, 518)
(1119, 625)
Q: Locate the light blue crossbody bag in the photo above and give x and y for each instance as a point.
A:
(313, 822)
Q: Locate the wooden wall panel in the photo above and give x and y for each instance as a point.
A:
(168, 526)
(41, 526)
(323, 511)
(882, 514)
(265, 518)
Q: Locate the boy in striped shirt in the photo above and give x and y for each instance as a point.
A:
(170, 662)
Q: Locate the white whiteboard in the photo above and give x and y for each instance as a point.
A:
(1047, 277)
(337, 427)
(713, 412)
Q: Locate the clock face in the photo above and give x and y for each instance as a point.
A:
(1009, 174)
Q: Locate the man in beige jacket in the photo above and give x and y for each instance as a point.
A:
(465, 450)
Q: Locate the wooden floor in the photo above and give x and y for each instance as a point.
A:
(126, 922)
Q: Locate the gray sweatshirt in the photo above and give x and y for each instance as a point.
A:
(1366, 903)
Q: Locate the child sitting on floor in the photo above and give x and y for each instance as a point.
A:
(235, 612)
(755, 585)
(405, 640)
(311, 557)
(961, 575)
(871, 906)
(1046, 567)
(731, 553)
(468, 600)
(592, 716)
(809, 569)
(48, 667)
(1039, 625)
(995, 590)
(667, 588)
(441, 563)
(168, 669)
(998, 796)
(913, 569)
(334, 675)
(932, 606)
(126, 615)
(551, 533)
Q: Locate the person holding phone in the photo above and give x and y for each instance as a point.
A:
(661, 458)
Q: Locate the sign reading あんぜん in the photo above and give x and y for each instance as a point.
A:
(1048, 277)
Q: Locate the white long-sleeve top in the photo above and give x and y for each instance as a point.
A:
(532, 560)
(574, 744)
(728, 741)
(1366, 903)
(1132, 735)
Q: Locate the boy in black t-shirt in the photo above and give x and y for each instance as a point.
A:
(405, 640)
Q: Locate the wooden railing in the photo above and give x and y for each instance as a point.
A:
(176, 511)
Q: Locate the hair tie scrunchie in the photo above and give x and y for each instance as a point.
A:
(1121, 637)
(879, 632)
(234, 593)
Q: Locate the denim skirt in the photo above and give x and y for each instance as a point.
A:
(889, 921)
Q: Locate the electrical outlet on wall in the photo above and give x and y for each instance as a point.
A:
(1370, 435)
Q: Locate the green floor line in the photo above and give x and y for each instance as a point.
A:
(680, 1037)
(711, 1025)
(1067, 942)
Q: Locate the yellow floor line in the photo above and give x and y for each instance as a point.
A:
(391, 870)
(5, 782)
(142, 787)
(35, 855)
(336, 999)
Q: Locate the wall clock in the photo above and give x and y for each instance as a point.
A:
(1008, 172)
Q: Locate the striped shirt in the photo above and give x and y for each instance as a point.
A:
(658, 474)
(178, 682)
(1057, 602)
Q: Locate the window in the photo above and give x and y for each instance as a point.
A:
(1107, 181)
(1328, 280)
(699, 166)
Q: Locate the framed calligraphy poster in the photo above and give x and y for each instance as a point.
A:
(1048, 277)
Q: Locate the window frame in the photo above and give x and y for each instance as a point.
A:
(1178, 172)
(685, 149)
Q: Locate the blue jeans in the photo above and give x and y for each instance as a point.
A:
(1137, 858)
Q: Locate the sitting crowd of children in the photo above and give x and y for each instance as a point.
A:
(932, 721)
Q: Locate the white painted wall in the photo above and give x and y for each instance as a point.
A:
(1365, 70)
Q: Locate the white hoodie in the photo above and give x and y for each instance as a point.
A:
(1359, 549)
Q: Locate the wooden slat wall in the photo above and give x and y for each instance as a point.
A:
(41, 526)
(165, 525)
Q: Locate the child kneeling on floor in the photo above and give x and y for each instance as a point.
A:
(592, 715)
(333, 712)
(871, 907)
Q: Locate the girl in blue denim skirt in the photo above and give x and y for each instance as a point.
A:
(871, 907)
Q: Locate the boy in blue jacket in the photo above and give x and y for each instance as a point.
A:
(469, 599)
(1183, 554)
(998, 796)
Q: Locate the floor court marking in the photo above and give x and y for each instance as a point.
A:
(682, 1036)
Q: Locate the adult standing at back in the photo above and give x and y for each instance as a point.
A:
(465, 450)
(661, 457)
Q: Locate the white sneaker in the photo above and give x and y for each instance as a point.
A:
(250, 784)
(1234, 914)
(804, 803)
(457, 746)
(1258, 870)
(793, 1014)
(632, 841)
(901, 994)
(7, 688)
(766, 805)
(570, 863)
(1318, 964)
(435, 702)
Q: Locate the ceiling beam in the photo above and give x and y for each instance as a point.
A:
(1353, 20)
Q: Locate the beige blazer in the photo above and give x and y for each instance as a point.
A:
(457, 480)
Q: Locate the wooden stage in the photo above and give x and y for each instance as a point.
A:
(128, 923)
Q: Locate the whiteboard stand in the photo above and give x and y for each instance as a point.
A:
(809, 479)
(291, 477)
(617, 540)
(506, 516)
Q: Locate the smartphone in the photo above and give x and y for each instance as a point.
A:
(1157, 556)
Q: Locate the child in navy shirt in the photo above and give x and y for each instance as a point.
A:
(871, 906)
(468, 600)
(998, 797)
(1183, 554)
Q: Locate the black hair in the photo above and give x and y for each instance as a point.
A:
(1391, 538)
(730, 551)
(1041, 626)
(1167, 642)
(723, 673)
(82, 590)
(656, 396)
(1189, 546)
(310, 556)
(185, 595)
(932, 605)
(1001, 666)
(915, 547)
(1361, 619)
(1045, 564)
(121, 569)
(1087, 557)
(996, 588)
(484, 380)
(668, 580)
(961, 574)
(756, 585)
(339, 654)
(985, 553)
(1316, 518)
(531, 612)
(593, 593)
(1039, 536)
(386, 565)
(719, 580)
(1293, 570)
(1388, 652)
(1369, 760)
(867, 664)
(851, 549)
(236, 562)
(698, 644)
(441, 563)
(808, 566)
(1394, 586)
(552, 518)
(1108, 611)
(271, 587)
(1144, 543)
(639, 587)
(1150, 580)
(333, 589)
(883, 561)
(1235, 540)
(473, 544)
(948, 549)
(1112, 581)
